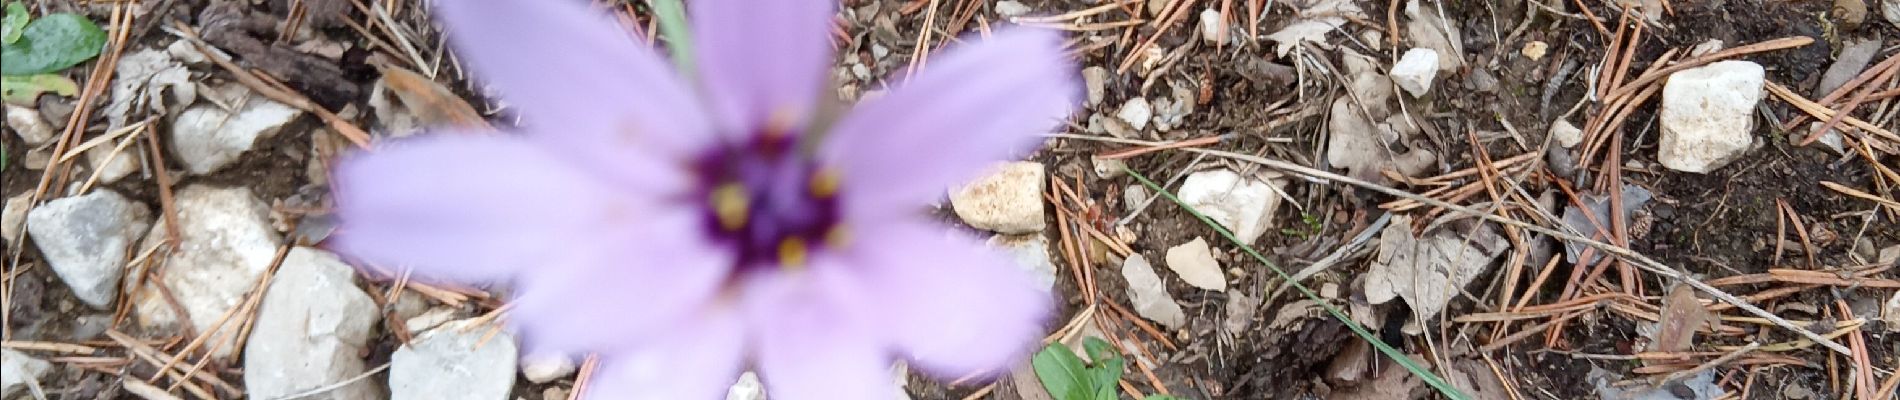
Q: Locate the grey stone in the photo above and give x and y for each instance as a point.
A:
(1849, 63)
(87, 239)
(1096, 80)
(453, 362)
(1149, 295)
(16, 369)
(312, 328)
(1031, 252)
(225, 242)
(13, 217)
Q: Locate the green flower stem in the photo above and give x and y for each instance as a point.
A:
(1418, 370)
(671, 16)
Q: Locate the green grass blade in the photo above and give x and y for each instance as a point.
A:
(1406, 362)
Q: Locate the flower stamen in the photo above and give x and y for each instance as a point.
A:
(732, 205)
(824, 183)
(792, 252)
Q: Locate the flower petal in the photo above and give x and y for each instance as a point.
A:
(976, 105)
(763, 61)
(815, 336)
(469, 208)
(953, 305)
(611, 292)
(698, 360)
(579, 79)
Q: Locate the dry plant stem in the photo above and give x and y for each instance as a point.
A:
(149, 392)
(1174, 15)
(1724, 359)
(54, 347)
(96, 83)
(1142, 323)
(1651, 77)
(257, 289)
(586, 374)
(1848, 87)
(1818, 111)
(335, 386)
(155, 357)
(166, 203)
(276, 92)
(1852, 103)
(1642, 261)
(1863, 370)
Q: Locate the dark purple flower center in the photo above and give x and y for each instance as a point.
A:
(768, 201)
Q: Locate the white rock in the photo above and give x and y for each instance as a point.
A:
(1031, 252)
(1890, 9)
(16, 369)
(27, 122)
(1096, 80)
(1194, 262)
(1213, 30)
(544, 368)
(13, 217)
(1565, 134)
(1006, 199)
(206, 138)
(1415, 71)
(1708, 115)
(87, 239)
(312, 328)
(225, 242)
(111, 167)
(1011, 8)
(453, 363)
(747, 388)
(1136, 113)
(1149, 295)
(184, 52)
(1244, 206)
(1892, 313)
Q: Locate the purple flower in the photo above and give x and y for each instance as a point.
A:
(687, 231)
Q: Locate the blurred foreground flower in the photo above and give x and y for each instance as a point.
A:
(687, 231)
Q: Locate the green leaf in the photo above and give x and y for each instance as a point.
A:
(14, 23)
(1160, 397)
(1062, 373)
(26, 89)
(52, 43)
(1099, 350)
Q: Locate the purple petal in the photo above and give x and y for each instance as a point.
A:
(579, 79)
(815, 336)
(953, 305)
(612, 291)
(697, 360)
(763, 62)
(470, 207)
(976, 105)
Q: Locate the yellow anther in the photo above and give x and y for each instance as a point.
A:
(824, 183)
(732, 205)
(837, 236)
(792, 252)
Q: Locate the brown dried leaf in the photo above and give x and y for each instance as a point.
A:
(431, 103)
(1682, 314)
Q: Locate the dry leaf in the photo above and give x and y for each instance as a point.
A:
(1682, 314)
(431, 103)
(1317, 18)
(1429, 271)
